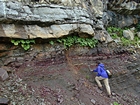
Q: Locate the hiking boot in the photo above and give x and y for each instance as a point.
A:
(100, 88)
(108, 96)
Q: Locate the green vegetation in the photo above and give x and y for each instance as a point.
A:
(117, 33)
(115, 103)
(72, 40)
(25, 43)
(138, 27)
(87, 76)
(51, 42)
(66, 41)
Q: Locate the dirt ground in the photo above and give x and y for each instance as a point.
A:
(65, 82)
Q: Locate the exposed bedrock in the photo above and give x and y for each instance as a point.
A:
(122, 62)
(19, 20)
(26, 19)
(50, 19)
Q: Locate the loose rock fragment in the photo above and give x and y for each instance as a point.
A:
(4, 101)
(3, 74)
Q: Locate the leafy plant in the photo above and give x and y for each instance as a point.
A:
(51, 42)
(114, 36)
(138, 27)
(125, 42)
(136, 41)
(116, 103)
(116, 32)
(25, 43)
(71, 40)
(128, 42)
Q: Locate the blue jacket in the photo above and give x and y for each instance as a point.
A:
(101, 71)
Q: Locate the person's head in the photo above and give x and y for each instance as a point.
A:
(98, 62)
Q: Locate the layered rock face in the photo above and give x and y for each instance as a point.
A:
(122, 13)
(27, 19)
(52, 66)
(125, 6)
(52, 19)
(23, 20)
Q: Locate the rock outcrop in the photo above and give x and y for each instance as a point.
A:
(52, 75)
(19, 20)
(127, 7)
(122, 13)
(45, 19)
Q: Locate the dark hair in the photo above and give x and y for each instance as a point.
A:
(98, 62)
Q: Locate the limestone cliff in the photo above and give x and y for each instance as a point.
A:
(52, 19)
(42, 20)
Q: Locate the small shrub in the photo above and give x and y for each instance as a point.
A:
(25, 43)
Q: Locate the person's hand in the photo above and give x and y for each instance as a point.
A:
(89, 68)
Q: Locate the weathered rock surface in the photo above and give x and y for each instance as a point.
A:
(35, 31)
(50, 19)
(128, 34)
(50, 75)
(127, 7)
(122, 13)
(45, 21)
(3, 74)
(111, 18)
(4, 101)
